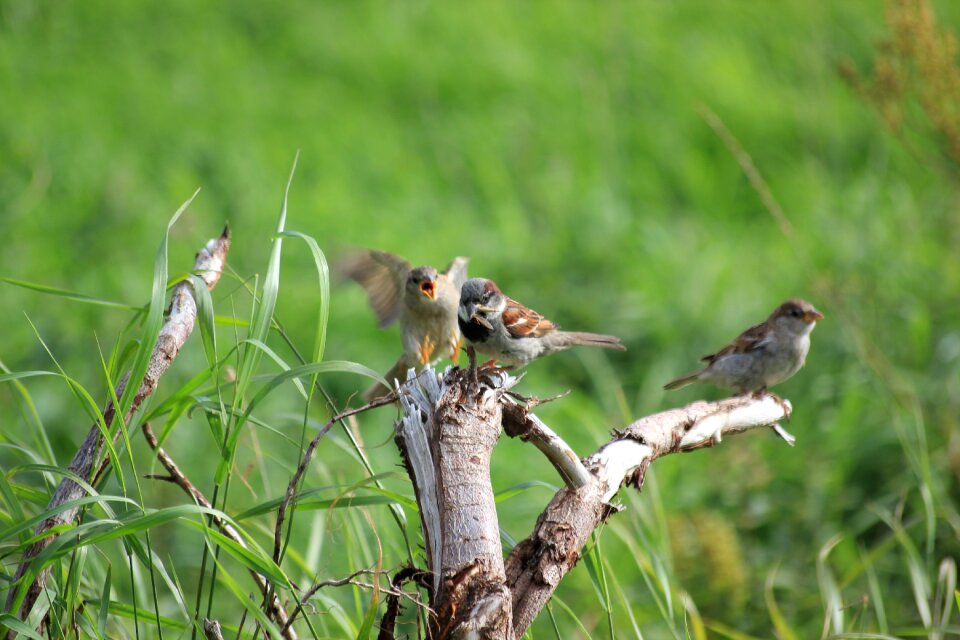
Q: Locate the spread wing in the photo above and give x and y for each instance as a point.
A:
(383, 276)
(756, 337)
(457, 271)
(522, 322)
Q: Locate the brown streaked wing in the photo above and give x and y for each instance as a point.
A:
(744, 343)
(383, 276)
(522, 322)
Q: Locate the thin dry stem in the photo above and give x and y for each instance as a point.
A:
(275, 609)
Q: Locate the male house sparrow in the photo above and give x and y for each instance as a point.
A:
(423, 300)
(763, 355)
(509, 332)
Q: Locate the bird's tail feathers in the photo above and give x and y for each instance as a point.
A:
(593, 340)
(683, 381)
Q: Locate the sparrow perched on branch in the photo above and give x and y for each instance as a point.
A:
(512, 334)
(763, 355)
(421, 298)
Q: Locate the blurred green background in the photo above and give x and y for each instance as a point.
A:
(563, 147)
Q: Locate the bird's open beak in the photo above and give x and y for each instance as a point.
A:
(476, 317)
(812, 316)
(429, 289)
(470, 312)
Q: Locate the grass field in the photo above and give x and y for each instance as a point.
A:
(567, 148)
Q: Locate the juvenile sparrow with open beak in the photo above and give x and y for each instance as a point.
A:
(512, 334)
(763, 355)
(422, 299)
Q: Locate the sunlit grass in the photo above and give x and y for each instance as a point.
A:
(562, 148)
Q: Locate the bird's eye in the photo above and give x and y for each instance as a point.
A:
(796, 313)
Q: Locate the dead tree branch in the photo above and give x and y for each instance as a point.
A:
(181, 317)
(451, 424)
(446, 437)
(537, 564)
(519, 422)
(211, 629)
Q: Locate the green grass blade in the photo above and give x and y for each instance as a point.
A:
(69, 295)
(942, 607)
(784, 631)
(370, 618)
(154, 319)
(511, 492)
(263, 311)
(15, 624)
(32, 417)
(224, 577)
(323, 276)
(573, 616)
(251, 557)
(104, 602)
(876, 594)
(832, 600)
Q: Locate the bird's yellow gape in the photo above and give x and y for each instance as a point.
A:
(429, 289)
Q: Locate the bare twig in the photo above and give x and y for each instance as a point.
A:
(390, 398)
(177, 477)
(181, 317)
(335, 582)
(388, 622)
(393, 591)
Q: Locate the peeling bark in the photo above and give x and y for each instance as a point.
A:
(538, 563)
(447, 433)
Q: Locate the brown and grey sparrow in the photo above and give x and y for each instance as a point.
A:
(512, 334)
(422, 299)
(763, 355)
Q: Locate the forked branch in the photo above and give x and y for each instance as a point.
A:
(446, 436)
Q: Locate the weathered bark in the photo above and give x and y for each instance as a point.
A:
(518, 422)
(538, 563)
(211, 629)
(449, 428)
(181, 317)
(446, 436)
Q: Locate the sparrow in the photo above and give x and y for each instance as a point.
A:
(512, 334)
(762, 356)
(423, 300)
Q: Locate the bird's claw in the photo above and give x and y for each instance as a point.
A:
(787, 409)
(426, 350)
(762, 392)
(455, 348)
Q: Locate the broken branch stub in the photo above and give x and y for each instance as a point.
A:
(449, 427)
(446, 436)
